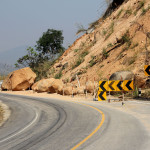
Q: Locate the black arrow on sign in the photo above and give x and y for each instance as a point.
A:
(102, 85)
(128, 85)
(148, 70)
(119, 85)
(101, 95)
(110, 85)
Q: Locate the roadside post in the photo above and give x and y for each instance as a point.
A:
(139, 92)
(109, 89)
(86, 87)
(72, 87)
(63, 90)
(122, 94)
(72, 90)
(78, 80)
(94, 87)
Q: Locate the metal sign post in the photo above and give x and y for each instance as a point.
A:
(122, 93)
(94, 87)
(78, 80)
(86, 87)
(109, 90)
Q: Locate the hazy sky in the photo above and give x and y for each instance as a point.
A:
(22, 22)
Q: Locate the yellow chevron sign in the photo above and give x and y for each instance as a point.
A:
(103, 85)
(128, 85)
(102, 96)
(119, 85)
(147, 70)
(116, 85)
(111, 85)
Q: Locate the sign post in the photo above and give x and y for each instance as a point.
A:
(108, 90)
(94, 87)
(86, 87)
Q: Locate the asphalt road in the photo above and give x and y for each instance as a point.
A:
(50, 124)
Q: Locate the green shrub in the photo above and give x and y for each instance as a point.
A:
(83, 54)
(58, 75)
(135, 93)
(128, 12)
(126, 39)
(76, 50)
(101, 66)
(141, 4)
(92, 61)
(109, 45)
(143, 11)
(119, 13)
(78, 62)
(104, 32)
(104, 53)
(110, 31)
(134, 45)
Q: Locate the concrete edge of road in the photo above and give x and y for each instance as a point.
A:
(6, 112)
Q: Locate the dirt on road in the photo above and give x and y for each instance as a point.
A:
(1, 114)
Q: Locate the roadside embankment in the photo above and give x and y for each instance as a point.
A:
(4, 113)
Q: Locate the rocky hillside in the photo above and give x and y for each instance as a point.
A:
(119, 41)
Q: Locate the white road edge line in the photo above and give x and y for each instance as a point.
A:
(22, 130)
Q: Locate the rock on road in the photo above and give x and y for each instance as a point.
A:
(51, 124)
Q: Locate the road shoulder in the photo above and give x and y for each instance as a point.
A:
(4, 113)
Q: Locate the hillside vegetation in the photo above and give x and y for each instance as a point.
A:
(120, 40)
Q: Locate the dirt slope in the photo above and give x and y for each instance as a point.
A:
(116, 43)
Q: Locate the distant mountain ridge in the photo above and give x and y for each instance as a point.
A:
(5, 69)
(11, 56)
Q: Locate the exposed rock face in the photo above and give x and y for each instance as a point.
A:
(122, 75)
(56, 87)
(19, 80)
(43, 85)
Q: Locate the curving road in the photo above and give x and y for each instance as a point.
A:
(50, 124)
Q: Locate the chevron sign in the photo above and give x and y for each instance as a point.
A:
(116, 85)
(128, 85)
(103, 85)
(111, 85)
(119, 85)
(102, 96)
(147, 70)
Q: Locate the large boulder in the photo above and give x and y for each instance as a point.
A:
(81, 90)
(140, 82)
(18, 80)
(68, 90)
(43, 85)
(122, 75)
(56, 87)
(90, 86)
